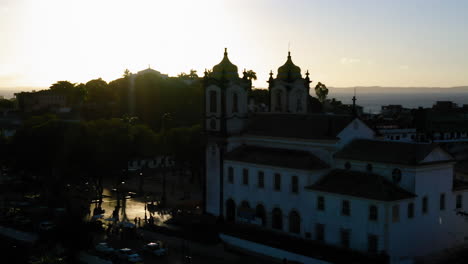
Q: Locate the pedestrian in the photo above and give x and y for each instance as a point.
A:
(139, 221)
(136, 221)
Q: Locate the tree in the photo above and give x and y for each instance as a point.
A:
(62, 86)
(321, 91)
(193, 74)
(127, 73)
(251, 75)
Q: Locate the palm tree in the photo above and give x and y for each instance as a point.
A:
(251, 75)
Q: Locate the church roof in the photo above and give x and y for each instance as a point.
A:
(225, 68)
(360, 184)
(289, 71)
(285, 158)
(405, 153)
(305, 126)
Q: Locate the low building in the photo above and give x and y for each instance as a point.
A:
(42, 100)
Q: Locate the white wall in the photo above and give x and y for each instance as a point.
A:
(358, 221)
(284, 199)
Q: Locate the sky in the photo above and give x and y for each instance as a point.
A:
(342, 43)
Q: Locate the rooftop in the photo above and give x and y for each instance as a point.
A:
(360, 184)
(406, 153)
(285, 158)
(305, 126)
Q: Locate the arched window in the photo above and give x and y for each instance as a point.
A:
(373, 213)
(396, 175)
(295, 184)
(277, 219)
(278, 101)
(294, 222)
(235, 103)
(347, 165)
(299, 104)
(230, 210)
(261, 213)
(231, 175)
(213, 124)
(213, 102)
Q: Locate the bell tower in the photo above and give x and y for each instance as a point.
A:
(225, 115)
(289, 92)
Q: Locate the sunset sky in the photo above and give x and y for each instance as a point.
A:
(341, 43)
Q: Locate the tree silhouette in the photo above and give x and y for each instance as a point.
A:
(321, 91)
(251, 75)
(193, 74)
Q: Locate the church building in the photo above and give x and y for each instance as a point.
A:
(324, 177)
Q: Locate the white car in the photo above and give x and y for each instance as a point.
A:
(104, 248)
(129, 255)
(156, 248)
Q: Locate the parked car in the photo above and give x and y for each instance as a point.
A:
(103, 247)
(129, 255)
(156, 248)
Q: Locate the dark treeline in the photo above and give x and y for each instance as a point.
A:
(147, 95)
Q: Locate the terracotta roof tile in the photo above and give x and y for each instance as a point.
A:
(276, 157)
(360, 184)
(386, 151)
(305, 126)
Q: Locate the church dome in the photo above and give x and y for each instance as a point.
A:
(225, 67)
(289, 70)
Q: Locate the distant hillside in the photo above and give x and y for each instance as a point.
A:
(406, 90)
(372, 98)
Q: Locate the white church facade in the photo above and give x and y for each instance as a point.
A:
(325, 177)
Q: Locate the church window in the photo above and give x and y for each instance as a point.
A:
(277, 182)
(260, 213)
(245, 176)
(424, 205)
(347, 165)
(277, 219)
(320, 203)
(396, 175)
(442, 201)
(320, 232)
(369, 167)
(213, 124)
(410, 210)
(345, 208)
(373, 213)
(295, 184)
(299, 105)
(213, 102)
(345, 235)
(261, 179)
(231, 175)
(395, 213)
(459, 202)
(372, 243)
(278, 101)
(235, 103)
(294, 222)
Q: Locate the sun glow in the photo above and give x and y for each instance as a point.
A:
(341, 43)
(81, 40)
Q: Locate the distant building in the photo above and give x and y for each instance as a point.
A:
(151, 71)
(322, 177)
(42, 100)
